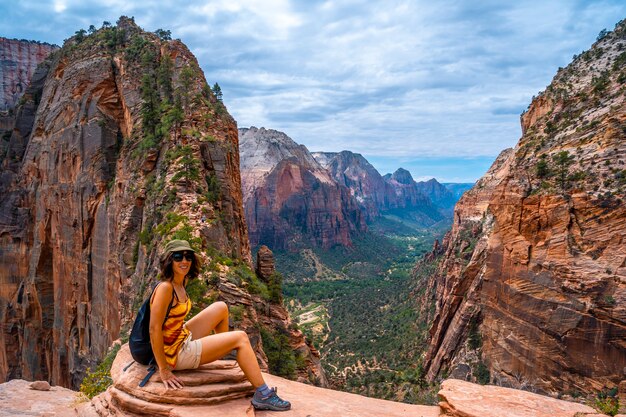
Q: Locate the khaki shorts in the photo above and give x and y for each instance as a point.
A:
(189, 354)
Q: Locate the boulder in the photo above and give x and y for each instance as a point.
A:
(464, 399)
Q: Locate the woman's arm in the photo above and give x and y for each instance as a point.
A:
(158, 308)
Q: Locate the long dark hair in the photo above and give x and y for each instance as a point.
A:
(167, 272)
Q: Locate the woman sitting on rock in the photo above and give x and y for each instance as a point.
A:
(177, 345)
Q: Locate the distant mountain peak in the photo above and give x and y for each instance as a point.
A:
(402, 176)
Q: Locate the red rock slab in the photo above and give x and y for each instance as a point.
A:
(211, 383)
(464, 399)
(18, 399)
(310, 401)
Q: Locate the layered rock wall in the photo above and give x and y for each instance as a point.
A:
(531, 286)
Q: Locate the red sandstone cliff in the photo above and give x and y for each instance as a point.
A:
(531, 282)
(18, 63)
(119, 146)
(19, 60)
(290, 200)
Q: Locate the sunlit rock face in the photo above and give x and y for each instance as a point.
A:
(531, 282)
(291, 201)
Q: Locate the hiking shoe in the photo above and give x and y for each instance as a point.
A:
(271, 402)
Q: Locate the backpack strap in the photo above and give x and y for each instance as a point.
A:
(128, 366)
(151, 370)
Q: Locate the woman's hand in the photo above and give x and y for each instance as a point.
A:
(170, 380)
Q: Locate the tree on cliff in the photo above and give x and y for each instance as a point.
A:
(80, 35)
(543, 170)
(189, 166)
(217, 90)
(562, 160)
(164, 35)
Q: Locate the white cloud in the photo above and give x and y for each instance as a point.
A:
(60, 6)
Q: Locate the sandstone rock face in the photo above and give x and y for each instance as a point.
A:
(18, 61)
(84, 179)
(289, 198)
(531, 287)
(438, 194)
(17, 399)
(464, 399)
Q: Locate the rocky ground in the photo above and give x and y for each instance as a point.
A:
(221, 389)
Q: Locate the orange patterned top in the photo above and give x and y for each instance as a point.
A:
(174, 334)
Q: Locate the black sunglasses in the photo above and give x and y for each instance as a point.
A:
(178, 256)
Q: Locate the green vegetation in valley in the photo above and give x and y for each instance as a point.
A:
(365, 320)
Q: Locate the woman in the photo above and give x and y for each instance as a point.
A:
(177, 345)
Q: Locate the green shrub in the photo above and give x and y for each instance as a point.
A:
(275, 288)
(98, 380)
(543, 170)
(213, 193)
(280, 356)
(482, 374)
(200, 294)
(607, 405)
(242, 273)
(236, 313)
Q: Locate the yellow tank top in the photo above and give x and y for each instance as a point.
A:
(174, 334)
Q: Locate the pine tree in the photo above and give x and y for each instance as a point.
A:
(217, 90)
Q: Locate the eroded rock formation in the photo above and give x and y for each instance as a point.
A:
(290, 199)
(410, 200)
(530, 290)
(265, 265)
(18, 64)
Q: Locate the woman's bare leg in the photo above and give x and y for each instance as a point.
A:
(216, 346)
(214, 317)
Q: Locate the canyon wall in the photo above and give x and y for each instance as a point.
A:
(530, 288)
(291, 201)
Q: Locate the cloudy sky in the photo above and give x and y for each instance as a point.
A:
(436, 87)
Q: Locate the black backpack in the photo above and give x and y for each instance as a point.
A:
(139, 341)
